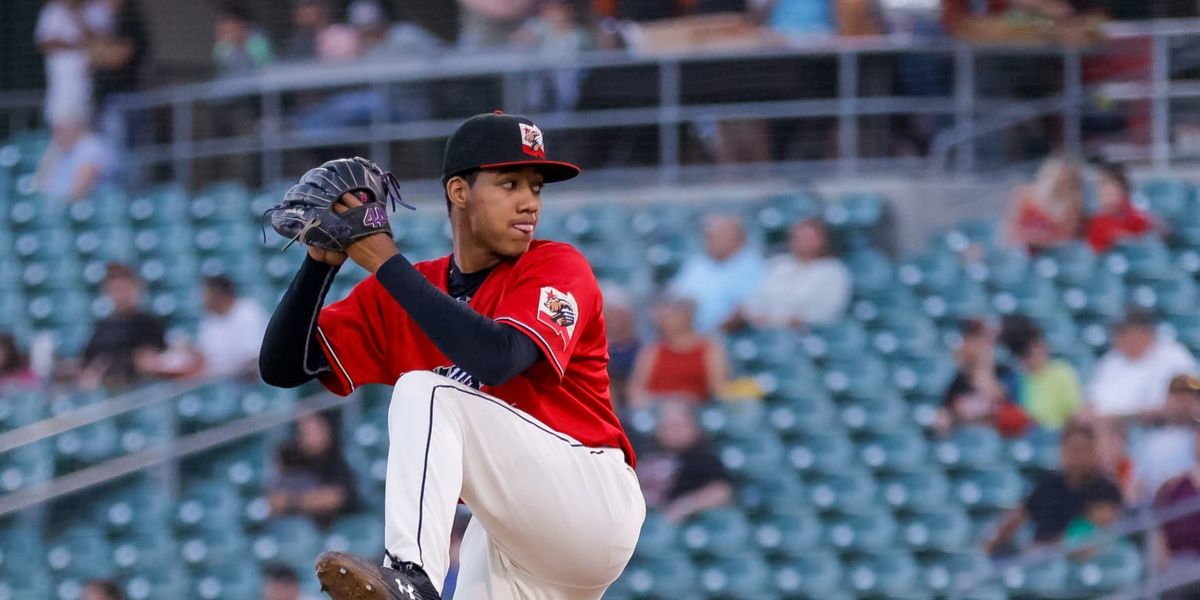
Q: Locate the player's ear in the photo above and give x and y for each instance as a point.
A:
(456, 192)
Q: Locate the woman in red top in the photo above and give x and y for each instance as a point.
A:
(1050, 211)
(1118, 217)
(682, 364)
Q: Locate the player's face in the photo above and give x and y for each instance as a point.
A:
(502, 210)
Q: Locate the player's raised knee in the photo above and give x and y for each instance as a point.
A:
(418, 382)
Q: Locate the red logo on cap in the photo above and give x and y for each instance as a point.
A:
(531, 141)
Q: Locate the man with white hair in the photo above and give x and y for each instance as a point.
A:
(721, 278)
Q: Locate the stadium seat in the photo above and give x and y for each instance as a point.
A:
(87, 445)
(817, 574)
(1141, 259)
(799, 412)
(991, 489)
(744, 576)
(1033, 297)
(874, 412)
(906, 334)
(1037, 449)
(1069, 264)
(866, 531)
(1060, 332)
(208, 406)
(163, 205)
(143, 552)
(359, 535)
(763, 348)
(229, 580)
(970, 446)
(752, 456)
(161, 583)
(1044, 578)
(899, 449)
(873, 273)
(1118, 565)
(666, 576)
(25, 466)
(1169, 199)
(933, 272)
(946, 529)
(788, 535)
(734, 419)
(105, 208)
(1003, 268)
(825, 451)
(81, 551)
(966, 300)
(961, 571)
(843, 340)
(1103, 296)
(928, 375)
(862, 375)
(717, 532)
(209, 506)
(134, 508)
(775, 492)
(220, 202)
(889, 574)
(658, 537)
(848, 489)
(918, 490)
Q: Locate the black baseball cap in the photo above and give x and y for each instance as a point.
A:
(498, 140)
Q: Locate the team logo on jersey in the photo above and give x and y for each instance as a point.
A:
(558, 310)
(531, 140)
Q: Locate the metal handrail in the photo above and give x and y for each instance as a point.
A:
(173, 450)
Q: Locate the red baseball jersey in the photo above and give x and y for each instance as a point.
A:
(549, 294)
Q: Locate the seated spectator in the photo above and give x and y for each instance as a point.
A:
(982, 390)
(1178, 540)
(1163, 446)
(806, 286)
(1050, 211)
(623, 344)
(116, 55)
(280, 583)
(1101, 509)
(556, 32)
(382, 40)
(490, 24)
(230, 335)
(682, 475)
(1048, 389)
(123, 345)
(682, 364)
(14, 365)
(76, 160)
(313, 478)
(316, 37)
(1131, 379)
(1117, 218)
(721, 279)
(102, 589)
(1058, 498)
(62, 33)
(241, 46)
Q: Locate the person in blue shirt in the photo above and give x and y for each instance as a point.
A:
(721, 278)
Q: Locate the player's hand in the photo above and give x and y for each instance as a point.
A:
(328, 257)
(369, 252)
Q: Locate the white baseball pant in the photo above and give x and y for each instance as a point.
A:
(552, 519)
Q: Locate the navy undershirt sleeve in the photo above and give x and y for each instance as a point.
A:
(492, 353)
(290, 354)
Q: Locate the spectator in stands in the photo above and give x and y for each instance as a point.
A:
(123, 344)
(682, 364)
(555, 32)
(1163, 447)
(1049, 389)
(682, 475)
(14, 365)
(1101, 509)
(280, 583)
(316, 36)
(313, 477)
(721, 279)
(102, 589)
(799, 18)
(623, 344)
(230, 335)
(241, 46)
(982, 390)
(118, 51)
(1117, 218)
(383, 40)
(1131, 379)
(1058, 498)
(806, 286)
(1050, 211)
(1177, 541)
(75, 162)
(62, 33)
(490, 24)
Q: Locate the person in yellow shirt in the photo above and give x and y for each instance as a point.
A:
(1049, 390)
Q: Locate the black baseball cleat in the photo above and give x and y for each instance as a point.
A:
(346, 577)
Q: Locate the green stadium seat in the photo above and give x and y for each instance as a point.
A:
(1002, 269)
(134, 509)
(870, 530)
(946, 529)
(1060, 332)
(928, 375)
(876, 411)
(775, 216)
(1142, 259)
(801, 411)
(919, 490)
(788, 535)
(87, 445)
(837, 341)
(105, 208)
(1103, 296)
(658, 537)
(960, 571)
(105, 243)
(200, 549)
(752, 456)
(143, 552)
(19, 408)
(242, 464)
(763, 348)
(81, 551)
(179, 272)
(817, 574)
(25, 466)
(1116, 566)
(208, 406)
(776, 492)
(231, 580)
(733, 419)
(21, 553)
(1034, 297)
(220, 202)
(36, 213)
(1169, 297)
(966, 300)
(1044, 578)
(717, 532)
(209, 506)
(849, 489)
(980, 232)
(910, 336)
(666, 576)
(890, 574)
(991, 489)
(971, 446)
(895, 450)
(1069, 264)
(44, 244)
(745, 576)
(861, 375)
(823, 451)
(1169, 199)
(1037, 449)
(783, 381)
(163, 205)
(359, 535)
(161, 583)
(874, 275)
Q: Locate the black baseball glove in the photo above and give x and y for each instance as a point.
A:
(306, 213)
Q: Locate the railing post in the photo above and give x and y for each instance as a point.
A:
(512, 92)
(269, 132)
(964, 105)
(1073, 94)
(1160, 112)
(181, 141)
(381, 149)
(669, 94)
(847, 112)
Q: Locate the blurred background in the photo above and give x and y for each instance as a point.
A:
(901, 294)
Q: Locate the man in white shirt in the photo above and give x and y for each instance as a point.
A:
(719, 280)
(806, 286)
(231, 331)
(1131, 379)
(61, 33)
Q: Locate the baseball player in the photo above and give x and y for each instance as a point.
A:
(498, 357)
